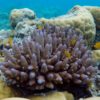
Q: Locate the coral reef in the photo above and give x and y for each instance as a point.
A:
(18, 15)
(85, 19)
(78, 17)
(49, 59)
(95, 11)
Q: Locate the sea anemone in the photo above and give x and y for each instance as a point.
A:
(49, 58)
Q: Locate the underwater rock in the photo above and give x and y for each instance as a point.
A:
(25, 28)
(18, 15)
(78, 17)
(54, 96)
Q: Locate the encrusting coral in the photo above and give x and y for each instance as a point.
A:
(49, 58)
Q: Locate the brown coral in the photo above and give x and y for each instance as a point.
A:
(50, 57)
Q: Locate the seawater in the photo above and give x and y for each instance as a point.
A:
(43, 8)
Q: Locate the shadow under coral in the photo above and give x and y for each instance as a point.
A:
(78, 91)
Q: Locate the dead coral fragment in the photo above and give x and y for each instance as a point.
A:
(51, 57)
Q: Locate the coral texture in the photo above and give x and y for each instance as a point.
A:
(95, 11)
(78, 17)
(18, 15)
(50, 58)
(96, 55)
(24, 29)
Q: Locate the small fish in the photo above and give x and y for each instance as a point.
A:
(97, 45)
(73, 42)
(8, 42)
(67, 53)
(39, 26)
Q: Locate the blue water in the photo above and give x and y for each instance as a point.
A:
(43, 8)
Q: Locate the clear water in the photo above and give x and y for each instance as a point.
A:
(43, 8)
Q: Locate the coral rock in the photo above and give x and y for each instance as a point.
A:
(18, 15)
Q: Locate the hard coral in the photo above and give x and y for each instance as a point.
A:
(51, 57)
